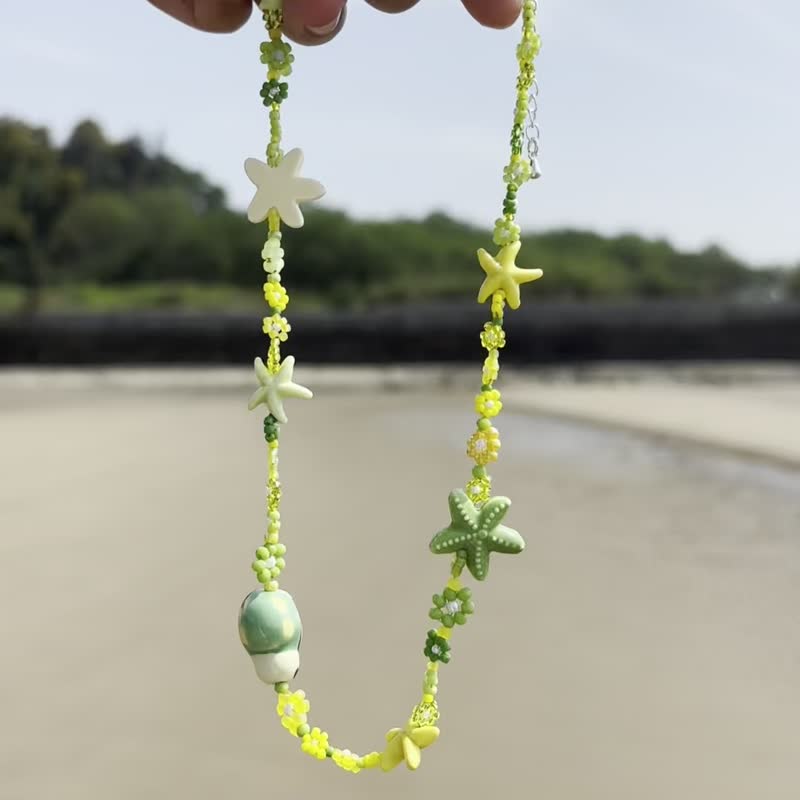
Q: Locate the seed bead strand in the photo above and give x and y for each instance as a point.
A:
(475, 514)
(483, 447)
(276, 54)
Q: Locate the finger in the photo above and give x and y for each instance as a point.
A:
(215, 16)
(313, 21)
(393, 6)
(494, 13)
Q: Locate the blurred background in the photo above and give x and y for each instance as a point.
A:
(647, 644)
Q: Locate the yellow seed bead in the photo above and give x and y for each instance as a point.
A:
(445, 633)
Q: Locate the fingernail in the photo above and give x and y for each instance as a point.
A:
(324, 30)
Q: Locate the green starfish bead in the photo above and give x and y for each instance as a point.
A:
(477, 532)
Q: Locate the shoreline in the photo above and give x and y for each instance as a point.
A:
(748, 410)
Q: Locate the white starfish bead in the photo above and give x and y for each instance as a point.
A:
(281, 188)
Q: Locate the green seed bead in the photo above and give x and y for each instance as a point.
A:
(479, 472)
(483, 425)
(329, 752)
(303, 730)
(263, 553)
(282, 688)
(259, 565)
(280, 563)
(279, 550)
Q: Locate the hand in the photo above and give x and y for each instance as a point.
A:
(317, 21)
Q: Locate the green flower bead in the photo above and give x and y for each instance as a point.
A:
(263, 553)
(437, 648)
(452, 608)
(274, 92)
(506, 232)
(277, 55)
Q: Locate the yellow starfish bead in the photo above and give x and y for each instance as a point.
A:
(502, 273)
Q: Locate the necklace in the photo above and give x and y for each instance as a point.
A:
(269, 623)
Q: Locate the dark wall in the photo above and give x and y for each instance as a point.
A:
(538, 334)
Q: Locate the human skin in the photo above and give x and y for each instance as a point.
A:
(314, 22)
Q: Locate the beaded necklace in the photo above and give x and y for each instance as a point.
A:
(269, 623)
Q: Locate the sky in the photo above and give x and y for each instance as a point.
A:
(677, 120)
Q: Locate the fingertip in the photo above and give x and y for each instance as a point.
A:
(494, 13)
(220, 16)
(314, 22)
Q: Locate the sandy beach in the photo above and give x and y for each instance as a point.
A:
(645, 646)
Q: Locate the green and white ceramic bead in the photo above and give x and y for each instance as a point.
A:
(271, 630)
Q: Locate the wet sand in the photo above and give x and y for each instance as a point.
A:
(646, 645)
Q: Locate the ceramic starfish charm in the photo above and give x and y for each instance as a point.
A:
(477, 532)
(281, 188)
(275, 387)
(404, 744)
(503, 273)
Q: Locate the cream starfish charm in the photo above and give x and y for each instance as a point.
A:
(281, 188)
(275, 387)
(502, 273)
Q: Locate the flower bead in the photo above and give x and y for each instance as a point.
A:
(518, 171)
(484, 446)
(273, 256)
(277, 55)
(269, 568)
(277, 327)
(315, 744)
(506, 232)
(529, 47)
(491, 368)
(347, 761)
(437, 648)
(276, 296)
(274, 92)
(493, 337)
(292, 709)
(452, 607)
(488, 404)
(479, 490)
(426, 713)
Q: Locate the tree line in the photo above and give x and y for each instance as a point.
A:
(116, 213)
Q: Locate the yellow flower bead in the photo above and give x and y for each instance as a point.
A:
(493, 337)
(426, 713)
(277, 327)
(484, 446)
(479, 490)
(347, 761)
(293, 709)
(315, 744)
(276, 296)
(487, 403)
